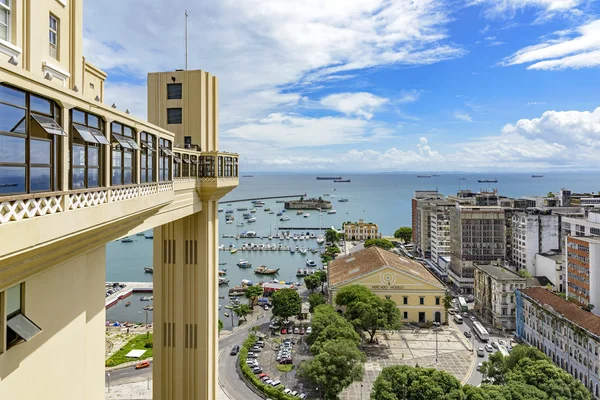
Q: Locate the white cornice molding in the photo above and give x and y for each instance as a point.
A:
(55, 71)
(10, 49)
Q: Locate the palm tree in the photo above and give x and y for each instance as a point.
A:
(447, 304)
(242, 310)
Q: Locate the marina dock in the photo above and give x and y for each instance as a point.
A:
(263, 198)
(130, 287)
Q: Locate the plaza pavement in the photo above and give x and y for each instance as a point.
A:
(414, 347)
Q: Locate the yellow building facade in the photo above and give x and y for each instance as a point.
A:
(360, 230)
(418, 294)
(76, 174)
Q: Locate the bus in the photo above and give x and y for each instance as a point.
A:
(462, 304)
(480, 331)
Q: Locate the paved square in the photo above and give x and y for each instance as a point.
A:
(413, 347)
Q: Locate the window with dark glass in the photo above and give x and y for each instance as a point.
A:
(164, 160)
(176, 165)
(29, 142)
(220, 166)
(147, 157)
(174, 115)
(207, 166)
(19, 328)
(185, 166)
(5, 19)
(228, 167)
(236, 171)
(193, 166)
(173, 91)
(87, 149)
(123, 157)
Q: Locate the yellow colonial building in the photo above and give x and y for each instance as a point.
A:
(360, 230)
(417, 292)
(75, 174)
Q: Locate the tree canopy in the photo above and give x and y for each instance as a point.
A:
(315, 300)
(404, 233)
(333, 236)
(312, 282)
(253, 292)
(286, 303)
(402, 382)
(383, 243)
(242, 311)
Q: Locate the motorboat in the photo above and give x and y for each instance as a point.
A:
(331, 212)
(127, 240)
(251, 220)
(343, 200)
(271, 212)
(127, 304)
(306, 215)
(253, 211)
(149, 270)
(229, 211)
(284, 218)
(139, 234)
(242, 208)
(300, 212)
(240, 224)
(311, 263)
(320, 239)
(229, 221)
(244, 264)
(263, 270)
(326, 195)
(223, 281)
(233, 250)
(222, 272)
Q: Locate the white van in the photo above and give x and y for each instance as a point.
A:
(458, 319)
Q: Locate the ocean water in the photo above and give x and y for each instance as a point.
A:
(381, 198)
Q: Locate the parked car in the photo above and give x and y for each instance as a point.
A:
(451, 311)
(260, 343)
(256, 349)
(495, 345)
(302, 396)
(265, 378)
(468, 334)
(489, 348)
(287, 391)
(276, 383)
(283, 331)
(252, 355)
(480, 352)
(262, 375)
(143, 364)
(308, 330)
(251, 363)
(257, 369)
(479, 366)
(286, 361)
(296, 331)
(294, 393)
(301, 331)
(503, 342)
(266, 307)
(268, 382)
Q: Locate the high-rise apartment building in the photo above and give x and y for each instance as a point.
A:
(583, 270)
(416, 217)
(477, 234)
(76, 174)
(440, 231)
(533, 231)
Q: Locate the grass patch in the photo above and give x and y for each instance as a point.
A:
(277, 340)
(140, 342)
(285, 367)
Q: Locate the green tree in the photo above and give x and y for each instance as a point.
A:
(242, 311)
(332, 251)
(402, 382)
(523, 273)
(350, 294)
(286, 303)
(383, 243)
(550, 194)
(312, 282)
(252, 293)
(338, 364)
(323, 316)
(404, 233)
(220, 325)
(322, 275)
(332, 236)
(315, 300)
(338, 329)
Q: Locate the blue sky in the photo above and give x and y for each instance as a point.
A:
(374, 85)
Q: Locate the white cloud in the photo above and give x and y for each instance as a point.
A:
(535, 103)
(463, 116)
(359, 104)
(408, 96)
(546, 8)
(495, 43)
(565, 52)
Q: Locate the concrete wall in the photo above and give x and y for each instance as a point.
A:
(545, 266)
(66, 360)
(595, 277)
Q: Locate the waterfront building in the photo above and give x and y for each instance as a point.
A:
(416, 220)
(417, 292)
(360, 230)
(551, 265)
(494, 290)
(563, 331)
(533, 231)
(76, 174)
(583, 270)
(477, 235)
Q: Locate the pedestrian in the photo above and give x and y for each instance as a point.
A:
(127, 330)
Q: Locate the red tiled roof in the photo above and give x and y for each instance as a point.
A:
(570, 311)
(373, 258)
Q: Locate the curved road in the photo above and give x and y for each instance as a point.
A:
(229, 380)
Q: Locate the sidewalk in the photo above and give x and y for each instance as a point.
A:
(139, 391)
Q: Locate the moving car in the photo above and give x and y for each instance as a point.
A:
(451, 311)
(480, 352)
(495, 345)
(472, 318)
(468, 334)
(235, 350)
(489, 348)
(143, 364)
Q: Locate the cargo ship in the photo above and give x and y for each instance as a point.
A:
(487, 180)
(330, 178)
(341, 180)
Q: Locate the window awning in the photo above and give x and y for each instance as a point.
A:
(122, 141)
(99, 136)
(148, 146)
(23, 326)
(49, 125)
(167, 151)
(194, 161)
(133, 143)
(85, 133)
(176, 157)
(186, 160)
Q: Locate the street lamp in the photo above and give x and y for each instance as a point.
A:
(108, 376)
(436, 325)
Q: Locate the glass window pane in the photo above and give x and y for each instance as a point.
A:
(93, 121)
(10, 95)
(78, 117)
(12, 119)
(40, 179)
(13, 300)
(40, 151)
(49, 125)
(143, 160)
(85, 134)
(78, 155)
(116, 176)
(143, 176)
(3, 27)
(78, 178)
(93, 156)
(23, 326)
(127, 131)
(116, 128)
(12, 180)
(174, 115)
(150, 175)
(127, 163)
(127, 178)
(40, 105)
(116, 158)
(174, 91)
(12, 149)
(92, 177)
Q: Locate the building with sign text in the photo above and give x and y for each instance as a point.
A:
(418, 293)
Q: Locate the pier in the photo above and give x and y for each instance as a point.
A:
(130, 287)
(263, 198)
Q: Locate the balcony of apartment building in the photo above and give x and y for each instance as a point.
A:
(68, 166)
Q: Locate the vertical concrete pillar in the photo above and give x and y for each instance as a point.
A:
(185, 307)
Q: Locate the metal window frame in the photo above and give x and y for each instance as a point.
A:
(7, 8)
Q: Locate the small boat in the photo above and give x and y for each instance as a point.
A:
(148, 308)
(326, 195)
(127, 240)
(149, 270)
(423, 176)
(222, 263)
(271, 212)
(320, 239)
(311, 263)
(299, 212)
(487, 180)
(233, 251)
(343, 200)
(229, 307)
(263, 270)
(223, 281)
(149, 235)
(267, 209)
(244, 264)
(8, 184)
(251, 220)
(292, 251)
(462, 179)
(230, 211)
(280, 201)
(285, 218)
(222, 272)
(537, 176)
(306, 215)
(331, 212)
(253, 211)
(127, 304)
(240, 224)
(139, 234)
(220, 210)
(229, 221)
(242, 208)
(226, 314)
